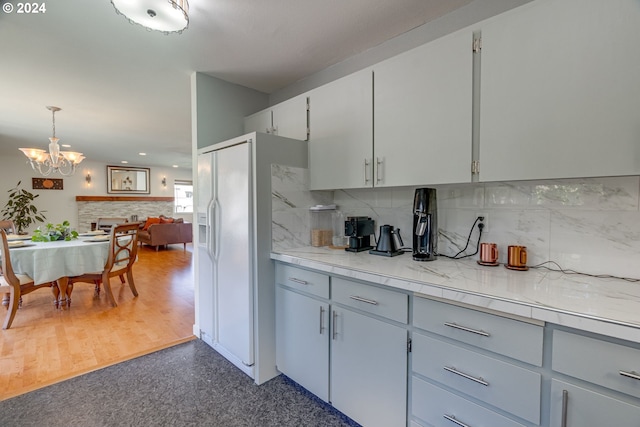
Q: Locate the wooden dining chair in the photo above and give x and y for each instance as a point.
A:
(15, 285)
(8, 226)
(123, 252)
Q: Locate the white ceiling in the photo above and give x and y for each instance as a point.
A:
(125, 90)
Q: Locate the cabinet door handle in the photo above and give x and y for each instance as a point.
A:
(454, 420)
(368, 301)
(300, 281)
(378, 167)
(565, 403)
(632, 374)
(321, 319)
(366, 175)
(479, 380)
(335, 324)
(467, 329)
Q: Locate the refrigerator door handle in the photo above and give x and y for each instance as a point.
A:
(215, 228)
(209, 228)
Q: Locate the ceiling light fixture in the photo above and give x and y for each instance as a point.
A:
(63, 162)
(167, 16)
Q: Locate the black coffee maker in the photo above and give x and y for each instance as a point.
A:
(425, 225)
(359, 230)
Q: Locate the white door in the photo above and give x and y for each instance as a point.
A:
(203, 256)
(422, 114)
(341, 138)
(559, 95)
(302, 340)
(290, 118)
(232, 247)
(259, 122)
(368, 369)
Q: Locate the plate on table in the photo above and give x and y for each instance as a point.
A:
(13, 237)
(104, 238)
(93, 233)
(18, 244)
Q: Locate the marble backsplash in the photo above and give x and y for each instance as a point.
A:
(290, 201)
(588, 225)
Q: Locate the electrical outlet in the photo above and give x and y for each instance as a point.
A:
(485, 221)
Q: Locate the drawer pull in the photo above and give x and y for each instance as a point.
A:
(454, 420)
(300, 281)
(632, 374)
(479, 380)
(368, 301)
(466, 329)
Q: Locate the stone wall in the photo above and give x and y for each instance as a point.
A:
(89, 212)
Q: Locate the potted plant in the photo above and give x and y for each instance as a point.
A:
(53, 233)
(21, 210)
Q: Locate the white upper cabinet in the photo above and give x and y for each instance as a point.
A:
(422, 114)
(560, 96)
(288, 119)
(259, 122)
(341, 137)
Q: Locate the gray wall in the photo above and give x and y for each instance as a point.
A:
(218, 109)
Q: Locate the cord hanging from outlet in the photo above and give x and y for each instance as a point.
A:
(481, 226)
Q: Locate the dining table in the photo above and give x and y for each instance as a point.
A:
(55, 262)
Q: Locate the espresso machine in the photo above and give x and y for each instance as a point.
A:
(425, 225)
(359, 230)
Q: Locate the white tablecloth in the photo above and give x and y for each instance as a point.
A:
(48, 261)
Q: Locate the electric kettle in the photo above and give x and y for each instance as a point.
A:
(389, 242)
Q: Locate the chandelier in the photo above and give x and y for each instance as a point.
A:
(63, 162)
(167, 16)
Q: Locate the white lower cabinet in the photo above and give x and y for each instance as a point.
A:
(440, 408)
(347, 342)
(573, 406)
(368, 369)
(597, 382)
(465, 372)
(498, 383)
(350, 351)
(302, 340)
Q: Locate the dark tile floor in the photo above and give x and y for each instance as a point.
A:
(186, 385)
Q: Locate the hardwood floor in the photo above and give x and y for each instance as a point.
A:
(45, 345)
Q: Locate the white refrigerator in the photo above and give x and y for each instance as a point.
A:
(235, 311)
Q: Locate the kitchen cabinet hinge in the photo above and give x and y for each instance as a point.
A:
(409, 345)
(475, 167)
(477, 45)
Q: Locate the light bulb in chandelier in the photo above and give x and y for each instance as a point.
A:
(63, 162)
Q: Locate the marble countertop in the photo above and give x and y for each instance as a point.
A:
(606, 306)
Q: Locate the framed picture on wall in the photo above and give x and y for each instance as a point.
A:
(47, 183)
(127, 180)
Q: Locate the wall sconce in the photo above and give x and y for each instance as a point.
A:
(88, 178)
(164, 181)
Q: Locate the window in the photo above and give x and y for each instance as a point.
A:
(183, 193)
